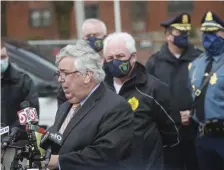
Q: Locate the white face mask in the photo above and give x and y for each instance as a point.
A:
(4, 65)
(4, 62)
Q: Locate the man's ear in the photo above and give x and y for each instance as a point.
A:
(168, 34)
(88, 77)
(134, 57)
(169, 37)
(4, 51)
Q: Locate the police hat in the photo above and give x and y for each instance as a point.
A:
(211, 22)
(181, 22)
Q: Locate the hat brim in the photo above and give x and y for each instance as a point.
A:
(211, 26)
(182, 27)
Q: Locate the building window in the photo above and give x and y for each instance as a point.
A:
(180, 6)
(139, 15)
(40, 18)
(91, 11)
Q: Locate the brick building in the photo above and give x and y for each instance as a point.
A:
(26, 20)
(30, 19)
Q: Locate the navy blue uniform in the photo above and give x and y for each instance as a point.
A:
(174, 72)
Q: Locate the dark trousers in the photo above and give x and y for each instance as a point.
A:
(183, 156)
(210, 153)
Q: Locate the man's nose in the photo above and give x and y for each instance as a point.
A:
(61, 80)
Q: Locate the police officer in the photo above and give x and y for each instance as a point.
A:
(170, 65)
(94, 31)
(207, 80)
(148, 97)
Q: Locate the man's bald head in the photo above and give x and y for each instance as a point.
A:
(94, 28)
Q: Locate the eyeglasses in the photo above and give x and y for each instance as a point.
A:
(64, 74)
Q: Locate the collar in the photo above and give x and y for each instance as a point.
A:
(189, 54)
(11, 74)
(91, 92)
(216, 58)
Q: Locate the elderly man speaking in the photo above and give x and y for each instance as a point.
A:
(95, 122)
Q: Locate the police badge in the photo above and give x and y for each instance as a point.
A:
(134, 103)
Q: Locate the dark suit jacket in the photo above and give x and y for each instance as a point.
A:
(99, 135)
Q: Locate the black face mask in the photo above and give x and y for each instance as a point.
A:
(119, 68)
(181, 41)
(96, 43)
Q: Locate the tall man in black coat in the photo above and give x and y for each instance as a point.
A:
(170, 65)
(16, 87)
(95, 122)
(148, 97)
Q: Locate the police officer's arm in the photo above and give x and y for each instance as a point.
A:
(167, 125)
(30, 93)
(150, 64)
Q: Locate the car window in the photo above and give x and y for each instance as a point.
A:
(46, 55)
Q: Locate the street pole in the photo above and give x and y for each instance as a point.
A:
(79, 12)
(117, 16)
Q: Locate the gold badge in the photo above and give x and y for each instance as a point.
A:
(134, 103)
(185, 19)
(189, 66)
(213, 79)
(209, 16)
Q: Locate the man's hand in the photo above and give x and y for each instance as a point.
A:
(53, 164)
(185, 117)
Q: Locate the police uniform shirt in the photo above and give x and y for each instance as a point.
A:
(214, 99)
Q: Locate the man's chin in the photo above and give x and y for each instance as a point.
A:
(68, 96)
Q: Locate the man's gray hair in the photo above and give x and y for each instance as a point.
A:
(95, 21)
(118, 36)
(86, 59)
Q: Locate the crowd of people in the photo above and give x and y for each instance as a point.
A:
(115, 113)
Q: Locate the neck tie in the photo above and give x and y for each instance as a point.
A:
(200, 105)
(69, 116)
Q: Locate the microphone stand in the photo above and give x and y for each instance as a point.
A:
(2, 159)
(34, 157)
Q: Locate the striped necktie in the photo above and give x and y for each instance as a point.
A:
(69, 116)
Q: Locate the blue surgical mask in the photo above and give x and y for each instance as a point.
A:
(119, 68)
(4, 65)
(213, 44)
(181, 41)
(96, 43)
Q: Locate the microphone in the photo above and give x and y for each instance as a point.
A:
(35, 128)
(50, 141)
(6, 141)
(27, 114)
(40, 130)
(28, 117)
(4, 130)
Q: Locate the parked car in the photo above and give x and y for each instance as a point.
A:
(42, 72)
